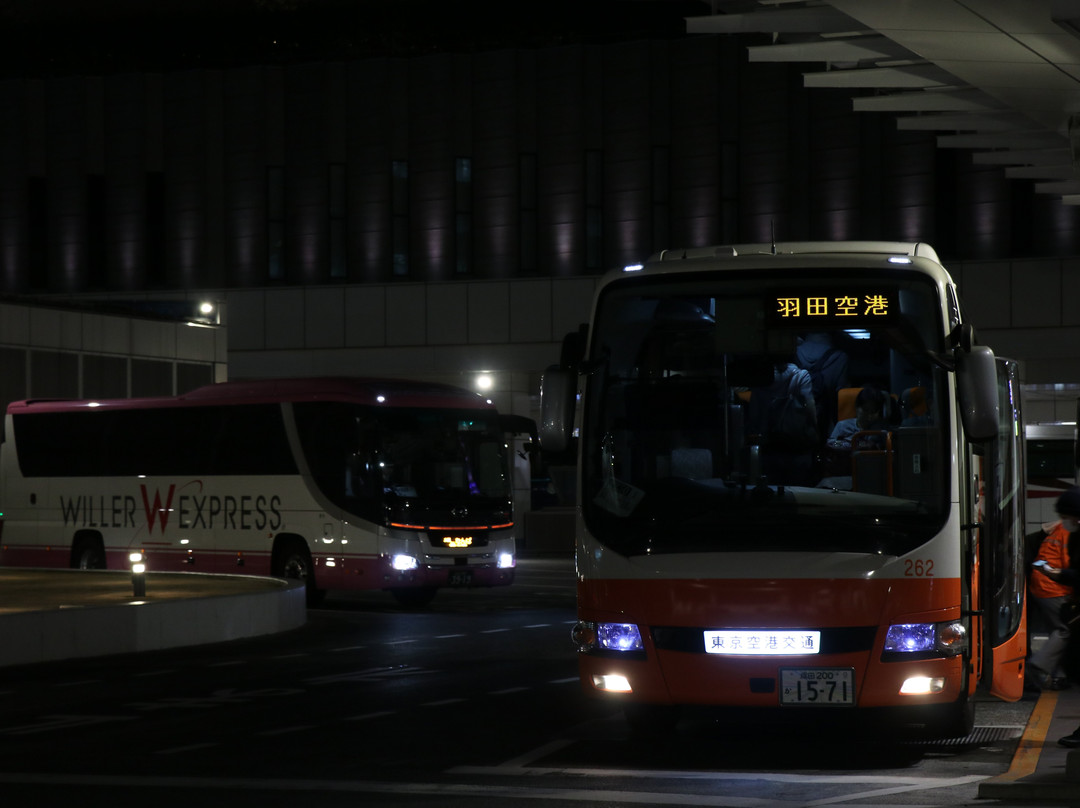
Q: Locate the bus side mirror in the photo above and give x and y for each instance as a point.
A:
(977, 390)
(558, 391)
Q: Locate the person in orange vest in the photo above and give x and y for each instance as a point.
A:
(1066, 573)
(1049, 592)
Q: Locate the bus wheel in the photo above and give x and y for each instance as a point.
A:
(651, 718)
(88, 554)
(294, 562)
(955, 720)
(415, 597)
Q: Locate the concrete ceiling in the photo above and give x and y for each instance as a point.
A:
(998, 77)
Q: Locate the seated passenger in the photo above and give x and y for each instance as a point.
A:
(870, 413)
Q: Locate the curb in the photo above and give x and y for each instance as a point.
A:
(70, 632)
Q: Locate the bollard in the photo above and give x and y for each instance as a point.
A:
(138, 574)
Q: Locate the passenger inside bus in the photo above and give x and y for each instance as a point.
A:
(872, 405)
(858, 453)
(827, 363)
(782, 421)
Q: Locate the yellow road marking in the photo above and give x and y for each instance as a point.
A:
(1031, 744)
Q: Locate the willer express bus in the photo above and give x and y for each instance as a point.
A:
(347, 483)
(719, 567)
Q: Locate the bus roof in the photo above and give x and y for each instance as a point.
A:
(916, 249)
(791, 255)
(359, 390)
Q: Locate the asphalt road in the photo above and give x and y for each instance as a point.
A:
(473, 701)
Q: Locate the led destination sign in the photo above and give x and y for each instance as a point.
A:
(843, 308)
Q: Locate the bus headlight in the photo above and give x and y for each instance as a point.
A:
(403, 563)
(926, 639)
(506, 561)
(616, 637)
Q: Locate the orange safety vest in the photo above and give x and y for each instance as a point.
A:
(1054, 550)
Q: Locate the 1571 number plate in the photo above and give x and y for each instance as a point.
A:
(825, 687)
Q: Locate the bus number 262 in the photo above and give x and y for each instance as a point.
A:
(919, 568)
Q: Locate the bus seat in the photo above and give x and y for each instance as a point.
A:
(913, 409)
(845, 402)
(693, 464)
(872, 462)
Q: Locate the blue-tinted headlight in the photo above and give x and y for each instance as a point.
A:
(943, 639)
(910, 637)
(618, 637)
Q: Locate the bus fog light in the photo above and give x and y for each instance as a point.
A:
(922, 685)
(403, 563)
(612, 683)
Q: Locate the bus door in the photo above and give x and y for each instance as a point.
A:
(1001, 569)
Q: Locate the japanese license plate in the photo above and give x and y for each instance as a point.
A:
(460, 577)
(824, 687)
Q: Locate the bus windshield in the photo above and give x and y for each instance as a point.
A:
(408, 467)
(766, 410)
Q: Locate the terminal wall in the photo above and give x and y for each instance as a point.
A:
(58, 352)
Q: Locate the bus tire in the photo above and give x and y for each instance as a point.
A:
(293, 561)
(88, 553)
(955, 720)
(414, 597)
(651, 719)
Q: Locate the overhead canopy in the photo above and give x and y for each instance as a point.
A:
(999, 77)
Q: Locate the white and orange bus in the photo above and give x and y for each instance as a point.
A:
(347, 483)
(722, 562)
